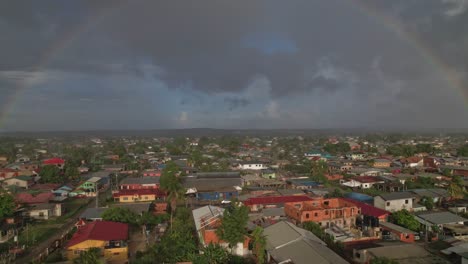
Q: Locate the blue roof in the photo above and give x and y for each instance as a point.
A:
(359, 197)
(304, 182)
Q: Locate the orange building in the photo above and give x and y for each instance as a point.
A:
(325, 212)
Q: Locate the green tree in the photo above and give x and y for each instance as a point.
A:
(212, 254)
(119, 214)
(455, 190)
(233, 225)
(336, 193)
(428, 202)
(51, 174)
(463, 151)
(405, 219)
(172, 185)
(7, 205)
(383, 260)
(71, 172)
(424, 148)
(318, 171)
(90, 256)
(259, 245)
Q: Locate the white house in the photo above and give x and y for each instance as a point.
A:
(395, 201)
(362, 182)
(252, 166)
(356, 156)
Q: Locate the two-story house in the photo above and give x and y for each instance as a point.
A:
(395, 201)
(131, 183)
(325, 212)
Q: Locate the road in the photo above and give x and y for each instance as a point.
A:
(35, 253)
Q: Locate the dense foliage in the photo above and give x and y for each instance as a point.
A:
(233, 227)
(7, 205)
(51, 174)
(338, 148)
(90, 256)
(383, 260)
(405, 219)
(463, 151)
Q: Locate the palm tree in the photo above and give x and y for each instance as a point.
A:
(171, 184)
(259, 244)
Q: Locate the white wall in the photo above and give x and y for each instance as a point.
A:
(393, 205)
(258, 166)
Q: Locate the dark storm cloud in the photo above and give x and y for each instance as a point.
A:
(199, 50)
(236, 102)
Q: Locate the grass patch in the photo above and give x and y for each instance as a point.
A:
(33, 235)
(71, 207)
(55, 257)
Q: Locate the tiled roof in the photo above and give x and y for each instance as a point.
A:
(100, 230)
(277, 199)
(141, 180)
(53, 161)
(27, 198)
(367, 209)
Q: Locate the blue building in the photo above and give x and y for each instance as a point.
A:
(213, 186)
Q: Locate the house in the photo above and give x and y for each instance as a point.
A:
(29, 199)
(88, 188)
(54, 162)
(131, 183)
(356, 156)
(137, 195)
(431, 162)
(287, 243)
(20, 181)
(207, 220)
(412, 162)
(251, 165)
(440, 218)
(113, 167)
(3, 160)
(334, 177)
(268, 174)
(382, 163)
(395, 201)
(362, 182)
(152, 173)
(110, 237)
(44, 211)
(400, 252)
(325, 212)
(339, 167)
(213, 185)
(6, 173)
(303, 184)
(437, 195)
(93, 214)
(259, 203)
(370, 211)
(391, 231)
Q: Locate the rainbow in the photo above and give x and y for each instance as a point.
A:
(391, 24)
(52, 52)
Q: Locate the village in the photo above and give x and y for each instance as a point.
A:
(361, 199)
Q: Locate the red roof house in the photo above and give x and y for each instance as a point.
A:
(101, 231)
(54, 161)
(27, 198)
(369, 210)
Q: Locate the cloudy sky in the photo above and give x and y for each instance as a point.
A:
(80, 65)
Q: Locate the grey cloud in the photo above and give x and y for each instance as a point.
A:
(236, 102)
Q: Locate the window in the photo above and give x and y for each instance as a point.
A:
(326, 203)
(406, 201)
(326, 212)
(116, 253)
(315, 214)
(307, 216)
(388, 203)
(125, 199)
(358, 255)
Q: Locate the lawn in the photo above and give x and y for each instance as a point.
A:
(71, 207)
(35, 234)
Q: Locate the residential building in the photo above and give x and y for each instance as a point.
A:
(303, 184)
(356, 156)
(391, 231)
(382, 163)
(6, 173)
(412, 162)
(268, 174)
(152, 173)
(214, 185)
(88, 187)
(207, 220)
(131, 183)
(287, 243)
(3, 160)
(251, 165)
(137, 195)
(19, 181)
(440, 218)
(325, 212)
(362, 182)
(400, 252)
(370, 211)
(45, 211)
(259, 203)
(54, 162)
(110, 237)
(395, 201)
